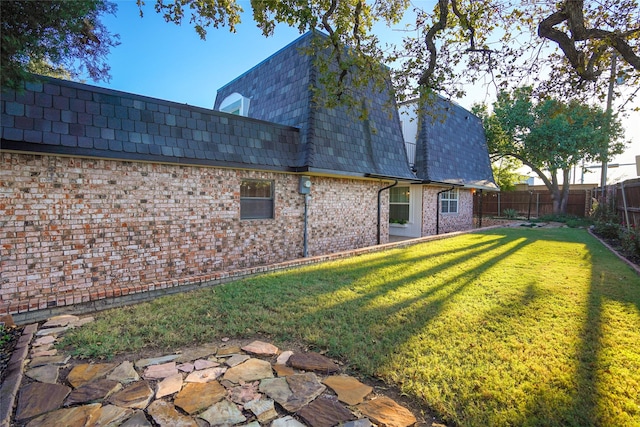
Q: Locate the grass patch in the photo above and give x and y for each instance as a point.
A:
(501, 327)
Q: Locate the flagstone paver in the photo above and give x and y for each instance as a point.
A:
(93, 391)
(125, 373)
(276, 388)
(138, 419)
(283, 357)
(62, 320)
(251, 370)
(169, 385)
(166, 415)
(200, 352)
(44, 374)
(143, 363)
(304, 388)
(385, 411)
(46, 340)
(44, 352)
(136, 396)
(186, 367)
(223, 413)
(287, 421)
(39, 398)
(244, 393)
(204, 364)
(312, 362)
(196, 397)
(261, 348)
(59, 360)
(349, 390)
(111, 415)
(325, 412)
(78, 416)
(205, 375)
(236, 359)
(157, 372)
(263, 409)
(283, 370)
(193, 388)
(51, 331)
(364, 422)
(87, 372)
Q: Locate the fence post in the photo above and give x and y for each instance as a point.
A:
(624, 205)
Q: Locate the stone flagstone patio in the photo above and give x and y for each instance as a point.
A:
(255, 384)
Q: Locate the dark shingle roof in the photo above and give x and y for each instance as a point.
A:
(452, 147)
(334, 140)
(60, 117)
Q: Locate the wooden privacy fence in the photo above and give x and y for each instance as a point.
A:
(627, 201)
(531, 203)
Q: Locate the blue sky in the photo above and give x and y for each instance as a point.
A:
(171, 62)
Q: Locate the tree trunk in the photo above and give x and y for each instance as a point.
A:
(560, 195)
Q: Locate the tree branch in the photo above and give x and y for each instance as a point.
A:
(336, 45)
(572, 13)
(425, 78)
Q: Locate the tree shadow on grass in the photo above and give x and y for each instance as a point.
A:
(605, 387)
(386, 315)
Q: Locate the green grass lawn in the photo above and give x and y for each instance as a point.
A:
(515, 327)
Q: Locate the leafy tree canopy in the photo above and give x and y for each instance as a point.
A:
(550, 136)
(63, 35)
(506, 173)
(505, 42)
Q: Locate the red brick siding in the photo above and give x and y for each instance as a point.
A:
(74, 230)
(461, 221)
(343, 215)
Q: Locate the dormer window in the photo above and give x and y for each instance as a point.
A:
(235, 104)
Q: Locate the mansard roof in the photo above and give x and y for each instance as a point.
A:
(61, 117)
(334, 139)
(452, 147)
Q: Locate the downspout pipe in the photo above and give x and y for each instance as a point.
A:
(305, 236)
(379, 197)
(480, 208)
(438, 208)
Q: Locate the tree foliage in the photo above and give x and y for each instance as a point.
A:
(506, 173)
(201, 13)
(516, 42)
(63, 35)
(507, 43)
(550, 136)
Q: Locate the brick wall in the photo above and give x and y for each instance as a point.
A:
(461, 221)
(77, 229)
(343, 215)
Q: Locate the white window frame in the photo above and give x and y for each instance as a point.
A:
(449, 199)
(236, 104)
(407, 203)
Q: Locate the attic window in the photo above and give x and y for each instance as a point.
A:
(235, 104)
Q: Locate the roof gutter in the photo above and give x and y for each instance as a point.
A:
(379, 197)
(393, 178)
